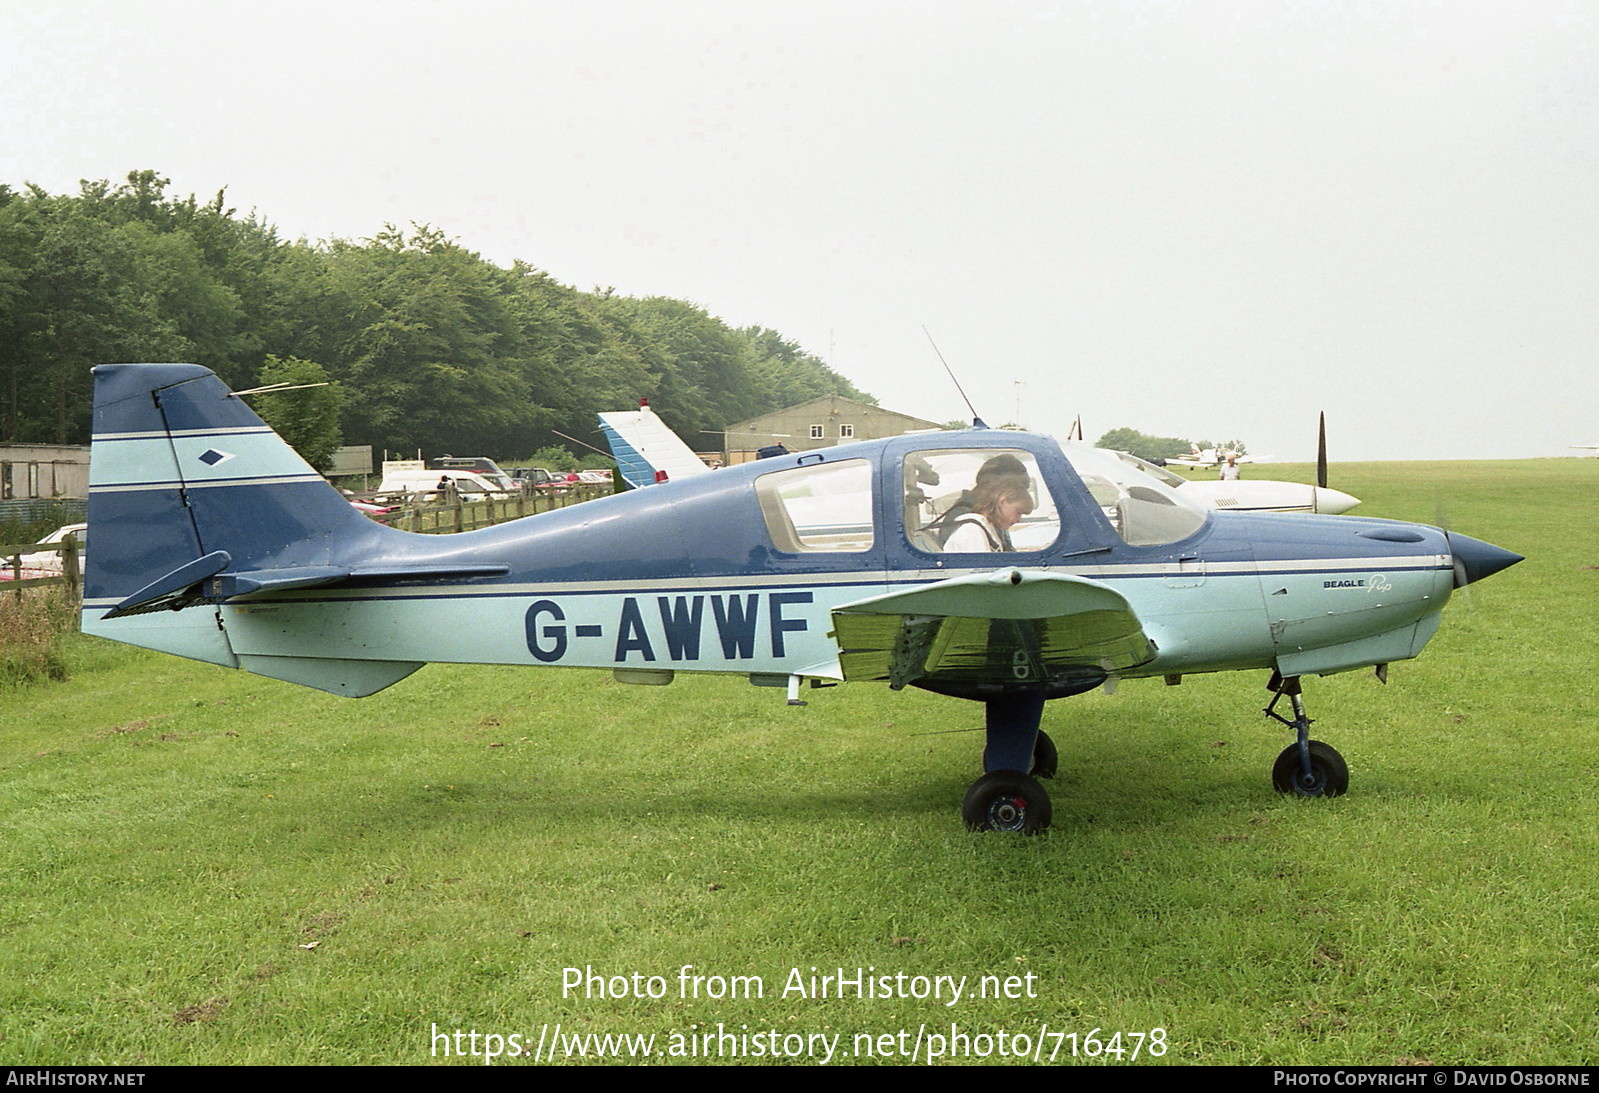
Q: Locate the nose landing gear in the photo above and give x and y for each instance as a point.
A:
(1306, 768)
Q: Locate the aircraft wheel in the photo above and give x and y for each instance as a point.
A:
(1329, 775)
(1006, 800)
(1046, 760)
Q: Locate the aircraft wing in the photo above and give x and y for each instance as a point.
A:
(1006, 627)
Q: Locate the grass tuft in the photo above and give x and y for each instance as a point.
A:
(34, 627)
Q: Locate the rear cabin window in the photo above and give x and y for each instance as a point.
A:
(977, 500)
(826, 507)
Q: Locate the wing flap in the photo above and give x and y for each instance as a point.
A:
(1007, 628)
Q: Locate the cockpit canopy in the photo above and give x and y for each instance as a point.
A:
(963, 498)
(1142, 509)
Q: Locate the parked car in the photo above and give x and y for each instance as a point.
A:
(479, 466)
(408, 478)
(49, 563)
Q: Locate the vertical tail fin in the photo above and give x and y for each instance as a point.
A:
(181, 468)
(644, 446)
(184, 481)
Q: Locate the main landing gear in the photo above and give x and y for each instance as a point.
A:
(1008, 797)
(1005, 798)
(1306, 768)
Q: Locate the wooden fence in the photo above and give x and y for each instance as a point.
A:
(433, 518)
(448, 517)
(71, 574)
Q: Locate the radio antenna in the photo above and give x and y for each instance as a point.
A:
(977, 422)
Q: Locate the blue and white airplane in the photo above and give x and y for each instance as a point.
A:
(215, 541)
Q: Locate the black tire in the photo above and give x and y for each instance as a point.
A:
(1046, 760)
(1006, 800)
(1329, 774)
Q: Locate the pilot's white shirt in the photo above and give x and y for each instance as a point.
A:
(974, 535)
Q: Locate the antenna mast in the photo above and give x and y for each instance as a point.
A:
(976, 421)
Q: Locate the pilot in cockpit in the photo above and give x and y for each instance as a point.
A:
(1002, 466)
(998, 504)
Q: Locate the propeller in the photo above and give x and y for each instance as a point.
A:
(1321, 452)
(1325, 499)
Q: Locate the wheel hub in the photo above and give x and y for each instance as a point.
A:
(1008, 813)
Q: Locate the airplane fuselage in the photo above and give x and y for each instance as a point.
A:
(705, 589)
(990, 565)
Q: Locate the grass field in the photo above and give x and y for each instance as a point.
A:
(202, 866)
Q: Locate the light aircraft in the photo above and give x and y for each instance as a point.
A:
(1260, 494)
(1204, 458)
(215, 541)
(1252, 494)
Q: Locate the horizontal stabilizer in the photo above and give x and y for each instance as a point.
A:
(1009, 628)
(229, 585)
(176, 590)
(203, 582)
(425, 572)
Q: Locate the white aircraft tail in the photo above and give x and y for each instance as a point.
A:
(646, 449)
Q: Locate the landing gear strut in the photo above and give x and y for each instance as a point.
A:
(1306, 768)
(1007, 797)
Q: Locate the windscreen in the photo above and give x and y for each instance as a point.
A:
(1143, 510)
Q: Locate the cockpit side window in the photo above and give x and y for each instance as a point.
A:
(825, 507)
(977, 500)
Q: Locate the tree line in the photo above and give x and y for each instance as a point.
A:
(431, 346)
(1160, 448)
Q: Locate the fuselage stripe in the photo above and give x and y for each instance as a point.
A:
(1328, 570)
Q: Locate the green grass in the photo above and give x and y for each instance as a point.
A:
(177, 835)
(37, 628)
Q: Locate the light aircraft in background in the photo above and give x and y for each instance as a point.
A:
(215, 541)
(1252, 494)
(1258, 494)
(1205, 458)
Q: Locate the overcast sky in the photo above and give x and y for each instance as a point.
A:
(1194, 219)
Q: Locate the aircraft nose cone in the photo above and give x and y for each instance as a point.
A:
(1475, 559)
(1332, 502)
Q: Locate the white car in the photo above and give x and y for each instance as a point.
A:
(49, 563)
